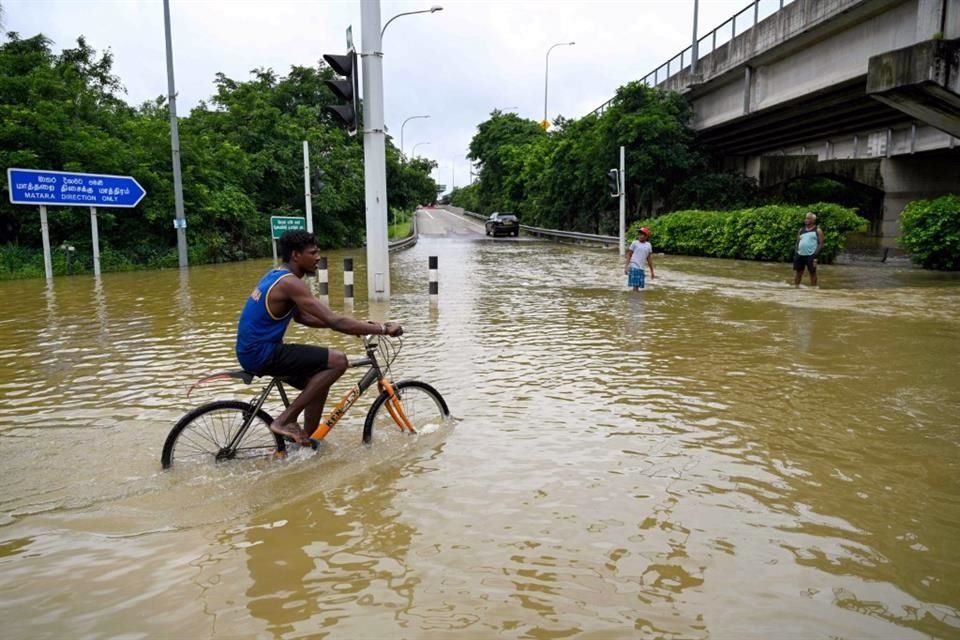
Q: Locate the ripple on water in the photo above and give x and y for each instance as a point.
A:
(718, 456)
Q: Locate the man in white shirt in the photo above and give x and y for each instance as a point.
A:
(640, 252)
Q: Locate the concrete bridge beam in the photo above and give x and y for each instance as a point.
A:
(922, 81)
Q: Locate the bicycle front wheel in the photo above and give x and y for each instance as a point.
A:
(423, 405)
(205, 434)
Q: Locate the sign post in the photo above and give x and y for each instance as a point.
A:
(45, 232)
(281, 224)
(41, 188)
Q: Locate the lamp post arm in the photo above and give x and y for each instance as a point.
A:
(401, 130)
(407, 13)
(546, 76)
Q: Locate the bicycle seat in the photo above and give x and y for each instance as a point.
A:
(238, 374)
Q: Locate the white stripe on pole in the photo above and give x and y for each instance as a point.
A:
(434, 285)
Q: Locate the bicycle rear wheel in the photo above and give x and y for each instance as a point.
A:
(423, 405)
(204, 435)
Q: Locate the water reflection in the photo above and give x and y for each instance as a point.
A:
(719, 456)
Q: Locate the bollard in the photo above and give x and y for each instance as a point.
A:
(348, 279)
(324, 277)
(434, 285)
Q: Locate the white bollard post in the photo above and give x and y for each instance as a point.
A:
(324, 277)
(434, 285)
(348, 279)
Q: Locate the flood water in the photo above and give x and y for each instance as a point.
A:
(719, 456)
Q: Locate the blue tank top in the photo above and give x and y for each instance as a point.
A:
(259, 332)
(807, 245)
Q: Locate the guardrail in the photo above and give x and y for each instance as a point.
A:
(409, 241)
(755, 12)
(553, 234)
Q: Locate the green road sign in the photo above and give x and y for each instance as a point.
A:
(280, 224)
(441, 188)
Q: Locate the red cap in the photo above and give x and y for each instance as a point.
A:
(645, 231)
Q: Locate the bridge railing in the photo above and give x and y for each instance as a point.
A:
(738, 23)
(552, 234)
(409, 241)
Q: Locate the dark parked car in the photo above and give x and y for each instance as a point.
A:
(506, 223)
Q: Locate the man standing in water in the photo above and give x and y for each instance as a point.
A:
(281, 296)
(639, 254)
(809, 244)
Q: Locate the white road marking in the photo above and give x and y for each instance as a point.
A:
(464, 218)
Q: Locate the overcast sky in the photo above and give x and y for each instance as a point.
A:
(456, 65)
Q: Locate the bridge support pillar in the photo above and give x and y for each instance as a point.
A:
(909, 178)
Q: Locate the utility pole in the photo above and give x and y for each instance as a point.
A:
(623, 200)
(308, 195)
(693, 49)
(180, 222)
(374, 150)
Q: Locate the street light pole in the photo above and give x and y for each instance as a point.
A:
(374, 149)
(546, 80)
(401, 130)
(695, 46)
(180, 221)
(413, 154)
(374, 154)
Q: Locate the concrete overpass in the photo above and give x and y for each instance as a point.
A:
(867, 91)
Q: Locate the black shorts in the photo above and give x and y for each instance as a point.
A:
(295, 364)
(799, 262)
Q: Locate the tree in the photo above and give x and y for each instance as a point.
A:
(241, 157)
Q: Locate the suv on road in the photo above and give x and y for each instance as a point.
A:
(504, 222)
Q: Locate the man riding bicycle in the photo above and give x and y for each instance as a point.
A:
(281, 296)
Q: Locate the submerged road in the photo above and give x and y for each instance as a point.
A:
(719, 456)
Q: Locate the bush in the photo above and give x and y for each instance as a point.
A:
(717, 191)
(930, 231)
(762, 233)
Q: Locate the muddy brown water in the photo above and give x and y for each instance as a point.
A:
(719, 456)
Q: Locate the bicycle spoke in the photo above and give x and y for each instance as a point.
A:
(207, 435)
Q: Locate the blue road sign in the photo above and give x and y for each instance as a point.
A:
(64, 189)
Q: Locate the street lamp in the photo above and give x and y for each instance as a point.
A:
(546, 79)
(401, 130)
(413, 154)
(432, 9)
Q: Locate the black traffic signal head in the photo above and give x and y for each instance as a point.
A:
(318, 176)
(344, 88)
(613, 182)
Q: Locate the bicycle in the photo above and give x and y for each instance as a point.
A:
(232, 429)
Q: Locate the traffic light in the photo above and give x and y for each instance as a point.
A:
(318, 183)
(345, 88)
(613, 182)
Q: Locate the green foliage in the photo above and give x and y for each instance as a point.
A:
(931, 232)
(719, 191)
(761, 233)
(241, 157)
(401, 224)
(467, 197)
(557, 179)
